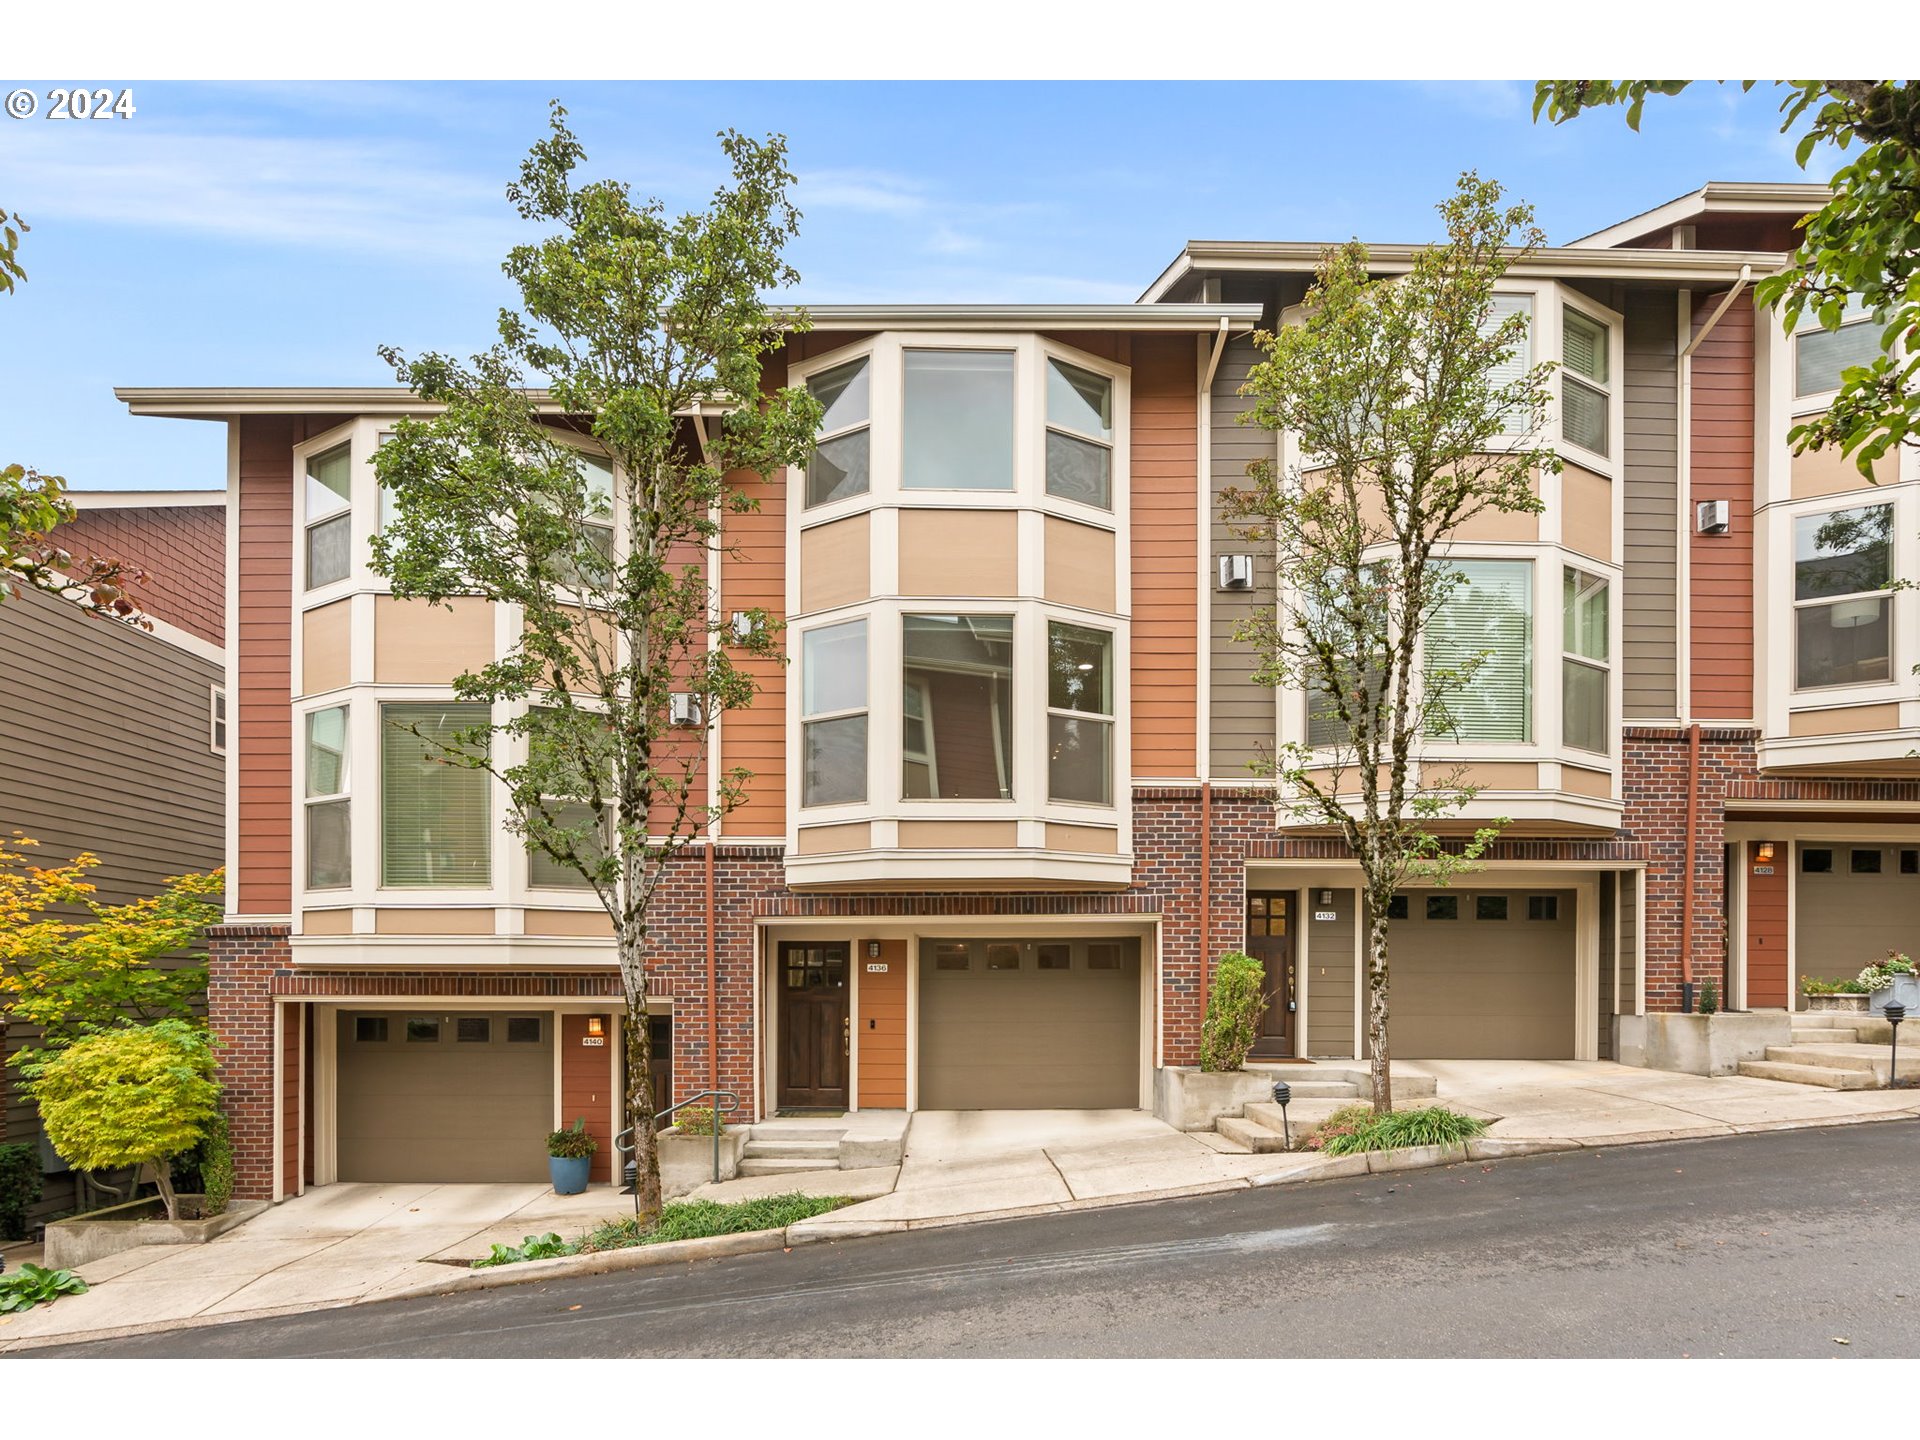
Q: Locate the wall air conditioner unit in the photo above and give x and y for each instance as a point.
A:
(1236, 572)
(1713, 517)
(683, 710)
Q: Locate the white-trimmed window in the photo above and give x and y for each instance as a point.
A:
(1079, 714)
(597, 470)
(329, 540)
(436, 824)
(842, 456)
(1586, 386)
(1488, 619)
(958, 420)
(1584, 669)
(833, 714)
(569, 813)
(1843, 597)
(964, 666)
(1819, 355)
(217, 719)
(1079, 435)
(1514, 368)
(328, 810)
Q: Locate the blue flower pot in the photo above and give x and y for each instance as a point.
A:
(569, 1173)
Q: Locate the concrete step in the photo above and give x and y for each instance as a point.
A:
(781, 1130)
(758, 1149)
(1827, 1057)
(1822, 1035)
(1406, 1085)
(1324, 1089)
(757, 1165)
(1820, 1075)
(1302, 1115)
(1257, 1138)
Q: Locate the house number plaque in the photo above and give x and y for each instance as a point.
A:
(879, 969)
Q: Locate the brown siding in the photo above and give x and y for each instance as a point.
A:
(1720, 445)
(1767, 929)
(291, 1025)
(1242, 712)
(1649, 605)
(182, 549)
(587, 1087)
(262, 656)
(1165, 450)
(882, 1082)
(754, 575)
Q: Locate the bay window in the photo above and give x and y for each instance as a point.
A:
(833, 714)
(1585, 388)
(1820, 355)
(1479, 648)
(1583, 662)
(1513, 369)
(842, 455)
(328, 810)
(597, 470)
(1843, 597)
(562, 746)
(958, 420)
(957, 689)
(1079, 714)
(545, 871)
(1079, 435)
(436, 826)
(329, 538)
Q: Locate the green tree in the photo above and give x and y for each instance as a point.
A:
(1392, 391)
(138, 1096)
(1862, 247)
(651, 331)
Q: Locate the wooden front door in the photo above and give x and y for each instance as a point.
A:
(814, 1038)
(1270, 941)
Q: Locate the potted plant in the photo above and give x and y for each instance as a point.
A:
(1891, 979)
(570, 1156)
(1833, 996)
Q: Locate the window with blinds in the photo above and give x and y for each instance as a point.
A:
(1585, 388)
(1820, 355)
(1514, 368)
(1484, 631)
(436, 826)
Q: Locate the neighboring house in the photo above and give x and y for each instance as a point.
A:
(1003, 815)
(111, 737)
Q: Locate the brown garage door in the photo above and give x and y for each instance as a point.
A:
(1029, 1025)
(444, 1097)
(1483, 975)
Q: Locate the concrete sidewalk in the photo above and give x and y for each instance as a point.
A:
(346, 1244)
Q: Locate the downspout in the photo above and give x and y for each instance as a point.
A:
(714, 516)
(1686, 889)
(713, 973)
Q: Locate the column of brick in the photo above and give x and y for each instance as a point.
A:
(241, 963)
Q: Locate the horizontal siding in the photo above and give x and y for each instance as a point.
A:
(1330, 994)
(1650, 414)
(263, 657)
(1241, 711)
(1165, 554)
(1720, 467)
(753, 575)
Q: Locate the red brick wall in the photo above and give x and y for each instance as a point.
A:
(182, 549)
(241, 961)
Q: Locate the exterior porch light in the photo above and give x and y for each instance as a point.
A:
(1895, 1013)
(1283, 1096)
(1765, 853)
(596, 1027)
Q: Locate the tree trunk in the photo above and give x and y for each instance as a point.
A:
(163, 1177)
(1381, 1058)
(640, 1119)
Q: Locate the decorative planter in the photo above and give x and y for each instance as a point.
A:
(1846, 1004)
(1905, 989)
(1189, 1098)
(569, 1173)
(93, 1236)
(686, 1161)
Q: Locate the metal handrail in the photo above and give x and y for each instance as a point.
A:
(624, 1141)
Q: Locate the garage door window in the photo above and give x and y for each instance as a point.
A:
(950, 957)
(1489, 907)
(424, 1032)
(1443, 907)
(1103, 957)
(1053, 957)
(473, 1030)
(1003, 957)
(370, 1029)
(1543, 907)
(523, 1029)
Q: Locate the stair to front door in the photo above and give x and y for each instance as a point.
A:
(1318, 1090)
(1837, 1052)
(776, 1149)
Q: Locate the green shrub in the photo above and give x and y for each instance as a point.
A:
(20, 1186)
(1813, 985)
(699, 1120)
(33, 1284)
(1436, 1125)
(1347, 1120)
(699, 1219)
(216, 1166)
(573, 1143)
(532, 1247)
(1234, 1006)
(1709, 998)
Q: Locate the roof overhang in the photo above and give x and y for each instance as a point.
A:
(144, 499)
(1716, 197)
(1184, 317)
(215, 402)
(1582, 262)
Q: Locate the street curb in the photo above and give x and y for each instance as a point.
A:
(600, 1262)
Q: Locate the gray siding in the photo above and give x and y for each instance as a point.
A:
(1628, 988)
(1609, 963)
(1243, 712)
(1651, 412)
(103, 747)
(1330, 979)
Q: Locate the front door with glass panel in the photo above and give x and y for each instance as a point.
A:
(1270, 941)
(814, 1035)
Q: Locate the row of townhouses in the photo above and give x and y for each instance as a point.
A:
(1005, 811)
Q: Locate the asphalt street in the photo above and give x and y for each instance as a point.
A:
(1783, 1244)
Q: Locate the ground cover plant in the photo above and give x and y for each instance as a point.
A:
(1354, 1129)
(681, 1220)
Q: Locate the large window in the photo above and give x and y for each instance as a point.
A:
(1585, 387)
(833, 713)
(329, 516)
(597, 470)
(1842, 595)
(1583, 662)
(957, 678)
(1079, 714)
(436, 825)
(958, 420)
(545, 871)
(1514, 368)
(840, 465)
(1079, 435)
(1820, 355)
(1484, 631)
(328, 810)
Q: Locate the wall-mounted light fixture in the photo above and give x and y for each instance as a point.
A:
(596, 1026)
(1326, 897)
(1765, 853)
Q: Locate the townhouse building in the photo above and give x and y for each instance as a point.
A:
(1006, 807)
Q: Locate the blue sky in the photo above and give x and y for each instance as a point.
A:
(275, 235)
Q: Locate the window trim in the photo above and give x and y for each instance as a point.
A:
(491, 827)
(1608, 390)
(863, 711)
(807, 503)
(1886, 593)
(1573, 657)
(1105, 718)
(1815, 401)
(310, 802)
(218, 719)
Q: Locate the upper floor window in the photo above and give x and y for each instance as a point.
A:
(841, 464)
(1583, 662)
(1820, 355)
(328, 810)
(1079, 714)
(958, 420)
(436, 827)
(957, 683)
(1585, 387)
(1515, 367)
(329, 516)
(1079, 435)
(833, 714)
(217, 720)
(597, 470)
(1484, 631)
(1842, 593)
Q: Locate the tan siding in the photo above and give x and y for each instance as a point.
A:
(958, 552)
(1165, 555)
(835, 564)
(1649, 605)
(833, 839)
(1083, 839)
(1242, 712)
(1079, 565)
(416, 643)
(591, 923)
(326, 922)
(326, 647)
(1828, 472)
(1586, 501)
(1597, 783)
(393, 920)
(1330, 996)
(1844, 720)
(958, 834)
